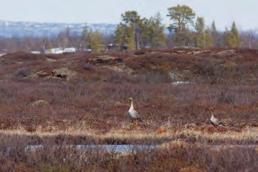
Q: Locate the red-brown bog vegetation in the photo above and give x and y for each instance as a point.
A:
(85, 96)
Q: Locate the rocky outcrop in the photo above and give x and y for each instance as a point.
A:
(39, 103)
(63, 73)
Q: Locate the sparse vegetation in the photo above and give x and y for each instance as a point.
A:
(65, 97)
(39, 105)
(175, 156)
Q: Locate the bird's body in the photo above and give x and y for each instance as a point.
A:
(214, 120)
(133, 114)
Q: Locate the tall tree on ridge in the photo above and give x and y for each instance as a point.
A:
(232, 37)
(182, 17)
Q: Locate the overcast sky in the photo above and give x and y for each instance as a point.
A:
(244, 12)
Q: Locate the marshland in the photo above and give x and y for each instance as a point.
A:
(176, 90)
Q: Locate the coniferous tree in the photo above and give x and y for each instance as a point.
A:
(94, 40)
(182, 17)
(203, 36)
(128, 31)
(232, 37)
(136, 32)
(208, 38)
(216, 38)
(152, 34)
(236, 35)
(200, 33)
(124, 36)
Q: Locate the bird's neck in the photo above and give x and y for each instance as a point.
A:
(131, 105)
(211, 114)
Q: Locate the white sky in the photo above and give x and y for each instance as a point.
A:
(244, 12)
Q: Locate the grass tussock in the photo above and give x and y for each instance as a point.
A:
(247, 136)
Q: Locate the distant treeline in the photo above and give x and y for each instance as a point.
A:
(186, 29)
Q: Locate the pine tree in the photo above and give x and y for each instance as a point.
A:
(94, 41)
(232, 37)
(200, 35)
(236, 36)
(152, 34)
(182, 17)
(136, 32)
(127, 32)
(124, 36)
(208, 38)
(216, 42)
(203, 37)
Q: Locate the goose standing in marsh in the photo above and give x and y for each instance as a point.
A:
(133, 114)
(215, 121)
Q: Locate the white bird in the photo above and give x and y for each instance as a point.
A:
(132, 112)
(215, 121)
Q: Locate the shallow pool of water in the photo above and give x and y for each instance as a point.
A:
(108, 148)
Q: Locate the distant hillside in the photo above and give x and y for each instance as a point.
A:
(21, 29)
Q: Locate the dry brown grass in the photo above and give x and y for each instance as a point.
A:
(246, 136)
(91, 107)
